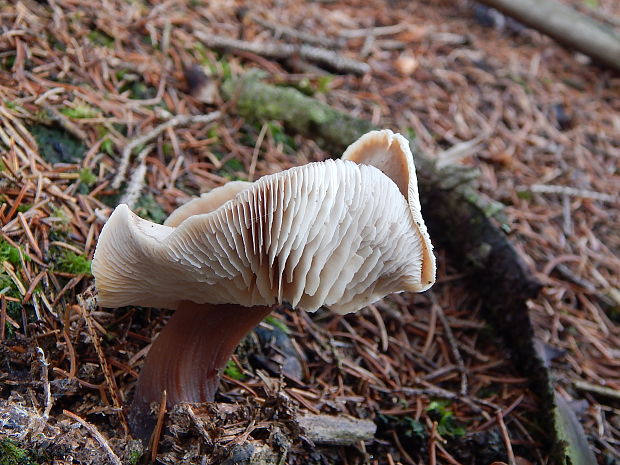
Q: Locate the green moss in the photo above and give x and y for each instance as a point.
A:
(323, 84)
(134, 456)
(138, 90)
(233, 169)
(525, 195)
(7, 286)
(280, 136)
(13, 105)
(100, 38)
(200, 52)
(167, 149)
(56, 44)
(493, 209)
(87, 176)
(10, 253)
(232, 370)
(61, 218)
(7, 62)
(66, 261)
(212, 133)
(447, 426)
(56, 145)
(259, 102)
(80, 111)
(415, 428)
(305, 86)
(11, 454)
(121, 73)
(273, 321)
(408, 429)
(410, 134)
(226, 69)
(148, 208)
(87, 179)
(107, 146)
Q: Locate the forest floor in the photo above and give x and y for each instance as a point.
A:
(81, 79)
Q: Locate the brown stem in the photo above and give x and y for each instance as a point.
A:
(187, 357)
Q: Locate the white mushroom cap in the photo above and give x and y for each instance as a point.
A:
(391, 154)
(335, 233)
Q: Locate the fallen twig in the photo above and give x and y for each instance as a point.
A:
(66, 123)
(97, 435)
(452, 343)
(280, 51)
(405, 456)
(136, 183)
(259, 142)
(159, 426)
(179, 120)
(306, 37)
(572, 192)
(46, 383)
(439, 393)
(596, 389)
(374, 31)
(431, 445)
(85, 309)
(3, 316)
(502, 427)
(504, 412)
(381, 326)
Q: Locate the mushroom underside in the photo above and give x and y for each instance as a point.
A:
(331, 234)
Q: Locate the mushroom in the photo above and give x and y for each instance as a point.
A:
(340, 234)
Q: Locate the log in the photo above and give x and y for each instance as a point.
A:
(257, 101)
(565, 25)
(458, 220)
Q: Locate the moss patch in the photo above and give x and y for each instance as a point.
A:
(79, 111)
(11, 454)
(273, 321)
(10, 254)
(147, 207)
(447, 426)
(56, 145)
(87, 176)
(259, 102)
(233, 371)
(67, 261)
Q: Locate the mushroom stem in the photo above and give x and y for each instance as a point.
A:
(187, 357)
